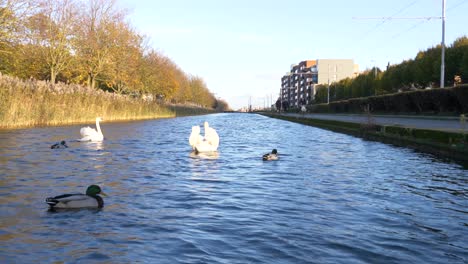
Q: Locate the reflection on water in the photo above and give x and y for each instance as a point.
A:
(204, 155)
(330, 198)
(93, 145)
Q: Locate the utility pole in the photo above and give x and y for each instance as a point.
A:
(334, 81)
(271, 101)
(281, 99)
(442, 63)
(375, 69)
(328, 86)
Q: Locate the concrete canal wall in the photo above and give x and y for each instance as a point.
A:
(442, 143)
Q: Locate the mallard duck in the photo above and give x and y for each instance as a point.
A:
(78, 200)
(271, 156)
(59, 145)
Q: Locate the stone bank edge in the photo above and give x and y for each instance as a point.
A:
(445, 144)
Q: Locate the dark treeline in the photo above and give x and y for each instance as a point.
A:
(419, 73)
(91, 42)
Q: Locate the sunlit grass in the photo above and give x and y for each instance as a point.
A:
(36, 103)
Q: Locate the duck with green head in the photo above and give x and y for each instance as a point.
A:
(78, 200)
(271, 156)
(60, 145)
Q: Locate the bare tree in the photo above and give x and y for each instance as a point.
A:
(12, 13)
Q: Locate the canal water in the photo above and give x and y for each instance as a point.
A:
(330, 198)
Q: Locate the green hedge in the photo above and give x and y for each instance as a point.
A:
(452, 100)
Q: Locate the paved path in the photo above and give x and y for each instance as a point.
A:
(451, 124)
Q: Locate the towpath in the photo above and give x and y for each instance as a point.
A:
(451, 124)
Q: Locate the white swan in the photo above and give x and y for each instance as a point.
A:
(91, 134)
(210, 142)
(211, 135)
(195, 137)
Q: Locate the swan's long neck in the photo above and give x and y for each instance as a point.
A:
(98, 127)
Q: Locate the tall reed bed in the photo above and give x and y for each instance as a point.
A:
(26, 103)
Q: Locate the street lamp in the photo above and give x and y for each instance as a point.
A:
(442, 64)
(375, 68)
(281, 99)
(334, 80)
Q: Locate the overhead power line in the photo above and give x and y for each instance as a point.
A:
(457, 5)
(396, 18)
(385, 20)
(393, 17)
(442, 66)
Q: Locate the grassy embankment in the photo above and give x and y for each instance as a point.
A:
(446, 144)
(37, 103)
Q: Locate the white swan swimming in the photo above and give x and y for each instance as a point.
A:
(211, 136)
(195, 137)
(91, 134)
(210, 141)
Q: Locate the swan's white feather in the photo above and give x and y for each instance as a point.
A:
(195, 137)
(211, 136)
(91, 134)
(204, 146)
(87, 131)
(209, 143)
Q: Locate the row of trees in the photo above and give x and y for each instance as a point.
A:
(421, 72)
(90, 42)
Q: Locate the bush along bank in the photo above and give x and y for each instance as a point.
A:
(446, 101)
(36, 103)
(444, 144)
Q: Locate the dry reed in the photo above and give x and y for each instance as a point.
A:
(27, 103)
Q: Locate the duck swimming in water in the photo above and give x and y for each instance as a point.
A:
(60, 145)
(271, 156)
(78, 200)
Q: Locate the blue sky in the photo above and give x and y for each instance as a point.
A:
(242, 48)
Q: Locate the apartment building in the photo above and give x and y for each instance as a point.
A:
(298, 85)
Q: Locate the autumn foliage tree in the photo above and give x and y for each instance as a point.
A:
(419, 73)
(90, 42)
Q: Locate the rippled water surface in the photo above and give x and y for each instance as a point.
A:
(330, 198)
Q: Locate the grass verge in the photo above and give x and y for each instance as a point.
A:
(445, 144)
